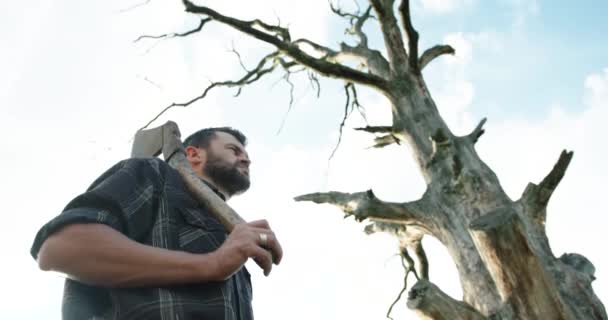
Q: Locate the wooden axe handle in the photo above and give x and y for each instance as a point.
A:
(174, 154)
(146, 143)
(202, 193)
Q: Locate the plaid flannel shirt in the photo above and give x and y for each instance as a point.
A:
(146, 200)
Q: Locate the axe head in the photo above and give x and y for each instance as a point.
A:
(151, 142)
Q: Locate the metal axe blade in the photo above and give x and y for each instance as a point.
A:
(147, 143)
(151, 142)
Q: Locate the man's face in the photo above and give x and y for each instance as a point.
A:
(228, 163)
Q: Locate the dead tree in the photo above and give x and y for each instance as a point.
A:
(506, 267)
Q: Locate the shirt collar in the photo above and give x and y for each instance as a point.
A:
(216, 190)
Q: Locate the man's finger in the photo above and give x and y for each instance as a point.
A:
(268, 240)
(275, 248)
(263, 259)
(260, 224)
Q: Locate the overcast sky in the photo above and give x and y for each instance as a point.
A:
(75, 87)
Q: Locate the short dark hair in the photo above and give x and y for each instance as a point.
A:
(202, 138)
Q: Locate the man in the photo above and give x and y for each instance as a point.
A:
(136, 245)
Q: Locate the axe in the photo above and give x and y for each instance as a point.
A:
(167, 139)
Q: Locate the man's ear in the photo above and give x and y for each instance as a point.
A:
(196, 156)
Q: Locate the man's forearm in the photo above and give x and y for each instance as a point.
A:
(99, 255)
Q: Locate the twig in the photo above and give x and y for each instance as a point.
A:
(238, 55)
(174, 35)
(291, 89)
(248, 78)
(135, 6)
(279, 37)
(410, 268)
(348, 108)
(434, 52)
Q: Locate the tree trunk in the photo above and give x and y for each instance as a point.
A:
(503, 257)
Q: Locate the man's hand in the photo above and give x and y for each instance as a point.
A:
(248, 240)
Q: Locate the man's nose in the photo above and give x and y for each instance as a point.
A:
(245, 161)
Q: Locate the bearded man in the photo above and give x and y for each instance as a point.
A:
(136, 245)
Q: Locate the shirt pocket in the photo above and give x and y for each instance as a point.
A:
(201, 233)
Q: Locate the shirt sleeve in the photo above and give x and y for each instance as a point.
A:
(125, 198)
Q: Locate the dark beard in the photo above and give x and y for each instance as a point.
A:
(226, 176)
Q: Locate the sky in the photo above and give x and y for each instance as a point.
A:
(75, 87)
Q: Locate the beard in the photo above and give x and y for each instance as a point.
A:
(226, 175)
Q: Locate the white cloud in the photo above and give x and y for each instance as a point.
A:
(597, 90)
(455, 92)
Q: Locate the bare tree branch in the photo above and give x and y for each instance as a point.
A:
(314, 82)
(357, 21)
(376, 129)
(411, 265)
(283, 33)
(550, 182)
(478, 131)
(373, 60)
(265, 66)
(412, 36)
(358, 27)
(279, 37)
(357, 104)
(348, 109)
(409, 235)
(434, 52)
(536, 197)
(364, 205)
(423, 262)
(386, 140)
(393, 40)
(343, 14)
(238, 55)
(146, 79)
(291, 90)
(432, 303)
(327, 53)
(405, 257)
(134, 6)
(389, 137)
(174, 35)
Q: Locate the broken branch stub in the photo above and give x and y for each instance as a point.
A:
(430, 303)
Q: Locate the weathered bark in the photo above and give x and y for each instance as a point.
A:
(499, 246)
(431, 303)
(519, 275)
